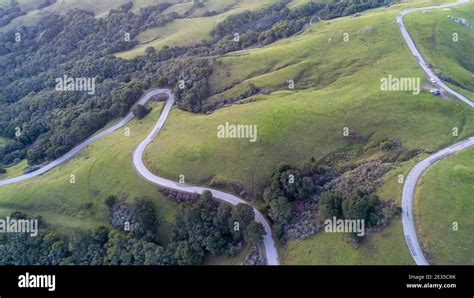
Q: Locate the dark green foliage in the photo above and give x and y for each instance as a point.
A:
(110, 201)
(10, 11)
(254, 233)
(77, 45)
(277, 21)
(330, 205)
(150, 50)
(361, 206)
(280, 210)
(140, 111)
(281, 213)
(291, 183)
(145, 221)
(202, 228)
(243, 214)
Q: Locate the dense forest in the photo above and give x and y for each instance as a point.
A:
(42, 124)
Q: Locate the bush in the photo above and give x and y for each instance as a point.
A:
(110, 201)
(330, 205)
(140, 111)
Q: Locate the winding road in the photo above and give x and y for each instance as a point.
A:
(269, 244)
(81, 146)
(411, 180)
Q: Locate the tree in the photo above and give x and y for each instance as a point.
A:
(145, 216)
(280, 210)
(356, 207)
(110, 201)
(150, 50)
(140, 111)
(185, 255)
(307, 188)
(330, 205)
(254, 233)
(207, 195)
(223, 218)
(243, 214)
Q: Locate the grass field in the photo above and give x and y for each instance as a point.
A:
(339, 93)
(444, 196)
(195, 28)
(180, 32)
(103, 168)
(99, 7)
(338, 85)
(436, 34)
(326, 248)
(15, 170)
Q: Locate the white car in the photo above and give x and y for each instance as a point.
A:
(435, 91)
(433, 80)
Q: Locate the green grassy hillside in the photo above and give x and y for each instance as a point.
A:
(446, 44)
(444, 197)
(195, 27)
(99, 8)
(103, 168)
(337, 86)
(337, 89)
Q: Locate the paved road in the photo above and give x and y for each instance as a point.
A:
(270, 248)
(79, 147)
(269, 244)
(415, 173)
(409, 190)
(411, 44)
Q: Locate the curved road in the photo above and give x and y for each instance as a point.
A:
(411, 44)
(81, 146)
(270, 248)
(415, 173)
(269, 244)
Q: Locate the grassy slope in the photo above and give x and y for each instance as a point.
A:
(15, 170)
(444, 192)
(385, 247)
(316, 115)
(443, 196)
(102, 169)
(180, 32)
(188, 31)
(99, 8)
(433, 32)
(342, 80)
(347, 95)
